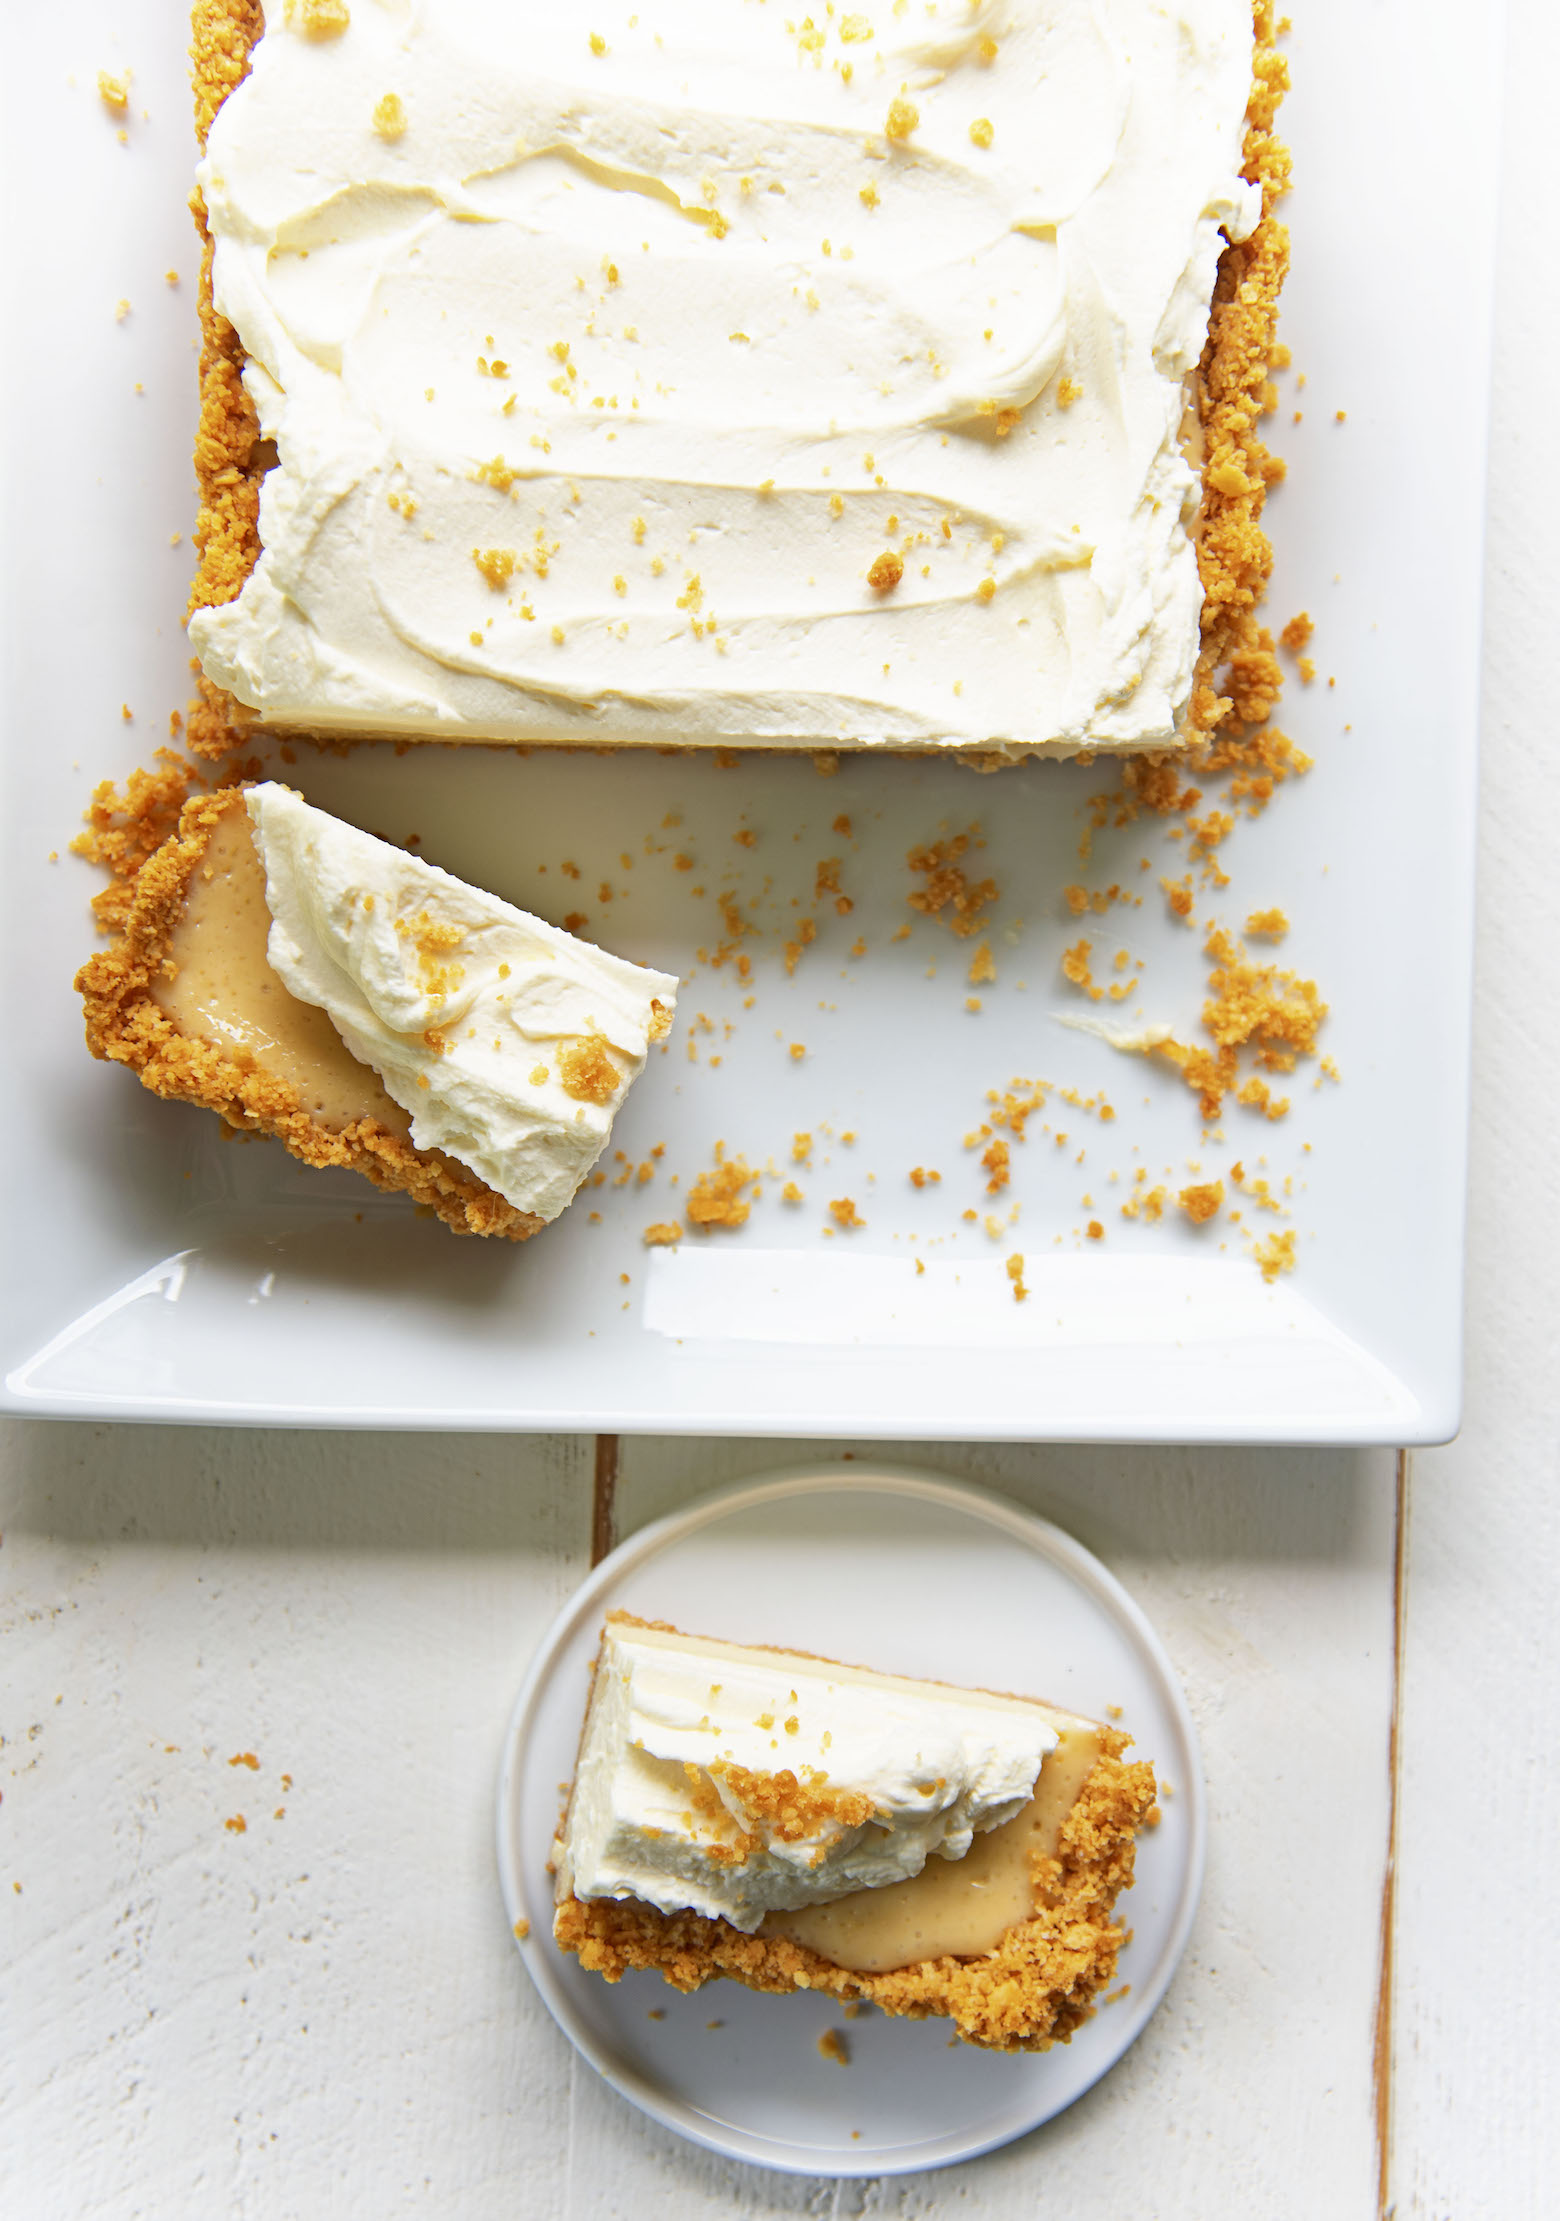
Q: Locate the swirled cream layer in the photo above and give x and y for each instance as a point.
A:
(730, 1781)
(724, 374)
(511, 1043)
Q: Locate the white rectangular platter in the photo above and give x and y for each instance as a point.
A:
(157, 1271)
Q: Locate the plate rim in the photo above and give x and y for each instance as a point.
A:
(1031, 1529)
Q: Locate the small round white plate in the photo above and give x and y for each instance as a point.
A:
(910, 1574)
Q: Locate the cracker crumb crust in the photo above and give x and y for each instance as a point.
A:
(1031, 1992)
(126, 1025)
(1234, 555)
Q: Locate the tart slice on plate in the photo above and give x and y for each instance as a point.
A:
(369, 1010)
(793, 1823)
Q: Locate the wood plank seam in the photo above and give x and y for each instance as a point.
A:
(1381, 2050)
(603, 1526)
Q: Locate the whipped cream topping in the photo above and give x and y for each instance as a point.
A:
(729, 1781)
(510, 1042)
(726, 373)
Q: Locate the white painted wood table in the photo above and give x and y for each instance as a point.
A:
(322, 2014)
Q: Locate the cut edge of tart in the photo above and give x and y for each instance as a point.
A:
(126, 1024)
(1035, 1988)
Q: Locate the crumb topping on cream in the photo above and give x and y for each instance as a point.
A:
(811, 388)
(511, 1043)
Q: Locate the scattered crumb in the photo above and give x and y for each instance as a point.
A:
(522, 1929)
(1266, 925)
(238, 1825)
(114, 92)
(843, 1213)
(1275, 1253)
(717, 1198)
(390, 117)
(1273, 1013)
(903, 117)
(1015, 1273)
(586, 1070)
(665, 1234)
(1202, 1203)
(1075, 967)
(1178, 893)
(319, 19)
(1080, 900)
(983, 968)
(947, 884)
(832, 2045)
(886, 572)
(245, 1758)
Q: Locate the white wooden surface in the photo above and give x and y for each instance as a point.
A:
(323, 2015)
(1477, 2085)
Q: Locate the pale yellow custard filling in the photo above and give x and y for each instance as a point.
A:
(960, 1908)
(223, 990)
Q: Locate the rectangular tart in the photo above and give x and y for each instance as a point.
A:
(888, 382)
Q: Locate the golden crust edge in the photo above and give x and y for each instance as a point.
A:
(1235, 556)
(228, 471)
(125, 1025)
(1035, 1989)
